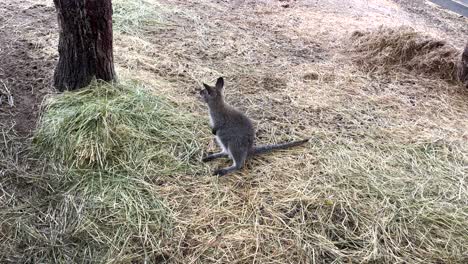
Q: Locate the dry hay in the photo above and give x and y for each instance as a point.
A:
(341, 200)
(102, 148)
(464, 66)
(395, 49)
(382, 181)
(377, 184)
(118, 127)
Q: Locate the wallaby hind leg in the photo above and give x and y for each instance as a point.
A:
(238, 158)
(214, 156)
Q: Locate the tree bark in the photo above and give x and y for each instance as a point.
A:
(463, 71)
(85, 43)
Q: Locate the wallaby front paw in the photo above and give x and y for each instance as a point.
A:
(220, 172)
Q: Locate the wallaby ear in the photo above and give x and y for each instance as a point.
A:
(220, 83)
(208, 88)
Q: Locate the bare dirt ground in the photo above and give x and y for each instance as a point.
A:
(438, 18)
(29, 37)
(366, 184)
(25, 70)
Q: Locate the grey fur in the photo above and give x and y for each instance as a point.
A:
(234, 131)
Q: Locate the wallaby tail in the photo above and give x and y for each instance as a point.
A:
(268, 148)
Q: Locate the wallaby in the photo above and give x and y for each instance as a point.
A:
(233, 130)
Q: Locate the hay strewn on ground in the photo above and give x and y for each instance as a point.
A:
(134, 17)
(383, 179)
(403, 48)
(104, 147)
(119, 127)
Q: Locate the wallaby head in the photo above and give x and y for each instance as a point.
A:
(213, 95)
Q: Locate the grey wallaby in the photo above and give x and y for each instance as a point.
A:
(233, 130)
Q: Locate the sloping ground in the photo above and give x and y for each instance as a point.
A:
(458, 6)
(384, 178)
(433, 18)
(379, 141)
(26, 33)
(27, 30)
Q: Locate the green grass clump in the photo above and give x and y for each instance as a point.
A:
(133, 17)
(107, 218)
(87, 217)
(104, 147)
(118, 127)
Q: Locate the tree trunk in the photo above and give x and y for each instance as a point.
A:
(85, 44)
(463, 71)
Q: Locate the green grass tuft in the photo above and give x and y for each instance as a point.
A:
(87, 217)
(119, 128)
(95, 202)
(134, 17)
(108, 217)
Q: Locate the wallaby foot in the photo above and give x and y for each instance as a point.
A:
(238, 157)
(224, 171)
(214, 156)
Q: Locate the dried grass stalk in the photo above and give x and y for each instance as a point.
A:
(403, 48)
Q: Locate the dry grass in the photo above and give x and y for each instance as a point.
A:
(396, 49)
(343, 200)
(103, 148)
(81, 216)
(119, 127)
(134, 17)
(383, 180)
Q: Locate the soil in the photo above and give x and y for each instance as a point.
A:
(452, 24)
(29, 35)
(240, 46)
(26, 69)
